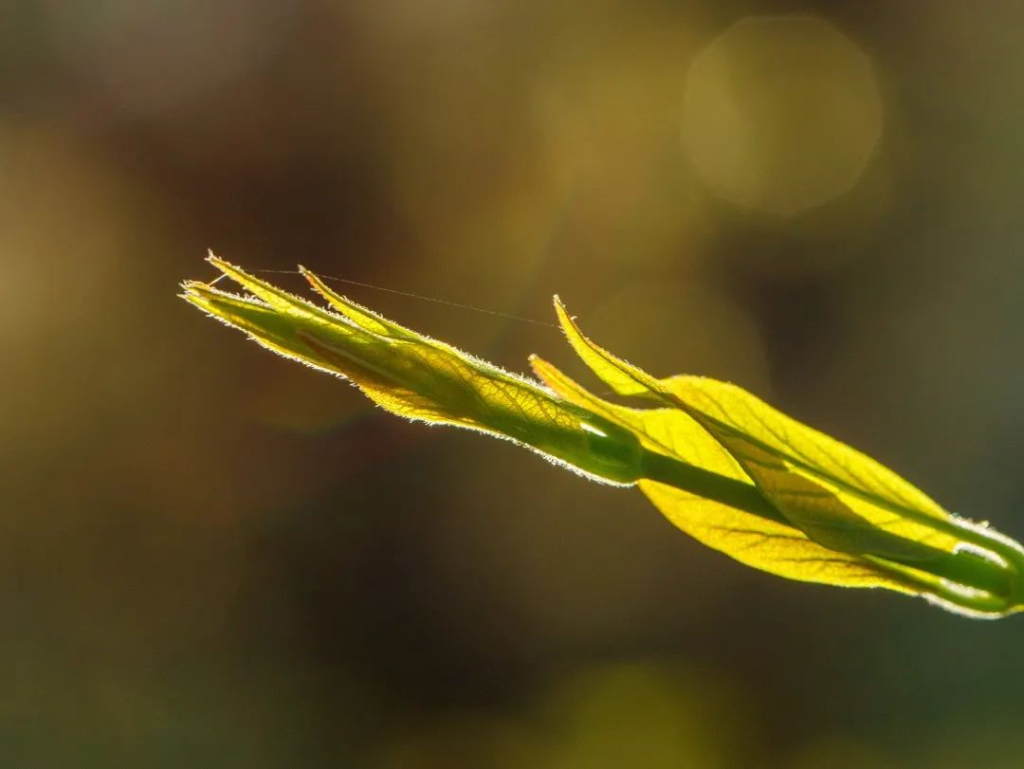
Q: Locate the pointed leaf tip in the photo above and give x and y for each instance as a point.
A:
(624, 378)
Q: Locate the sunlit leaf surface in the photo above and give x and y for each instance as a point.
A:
(721, 464)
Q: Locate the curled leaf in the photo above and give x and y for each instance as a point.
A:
(417, 377)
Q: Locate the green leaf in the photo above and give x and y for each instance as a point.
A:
(722, 465)
(878, 529)
(753, 538)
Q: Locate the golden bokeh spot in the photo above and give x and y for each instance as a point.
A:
(781, 114)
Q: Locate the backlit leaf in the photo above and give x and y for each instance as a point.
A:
(836, 496)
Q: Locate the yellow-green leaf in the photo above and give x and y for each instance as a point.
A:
(840, 499)
(751, 538)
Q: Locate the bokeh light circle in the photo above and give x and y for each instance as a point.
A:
(781, 113)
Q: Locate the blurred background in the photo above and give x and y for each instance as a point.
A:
(213, 557)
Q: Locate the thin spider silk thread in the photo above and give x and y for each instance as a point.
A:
(410, 295)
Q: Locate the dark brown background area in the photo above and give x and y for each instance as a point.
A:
(213, 557)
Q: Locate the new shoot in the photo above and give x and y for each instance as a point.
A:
(719, 463)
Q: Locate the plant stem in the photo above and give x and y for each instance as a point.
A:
(971, 570)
